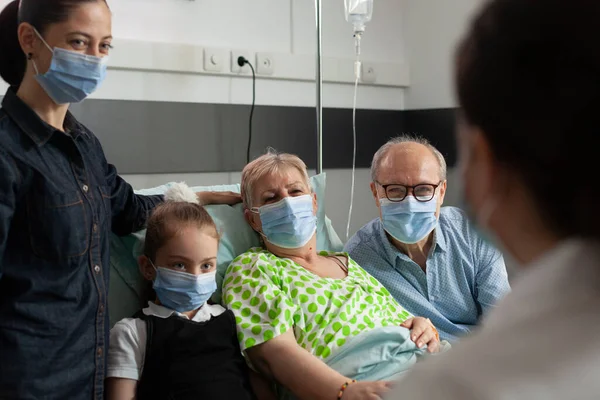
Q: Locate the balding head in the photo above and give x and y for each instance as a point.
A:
(406, 159)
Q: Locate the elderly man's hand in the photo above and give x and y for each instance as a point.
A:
(230, 198)
(422, 332)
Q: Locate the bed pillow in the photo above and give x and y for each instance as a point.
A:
(127, 287)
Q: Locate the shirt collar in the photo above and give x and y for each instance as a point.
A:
(31, 124)
(204, 313)
(439, 242)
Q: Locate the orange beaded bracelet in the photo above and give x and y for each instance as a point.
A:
(343, 388)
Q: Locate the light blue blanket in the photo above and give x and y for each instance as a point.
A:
(382, 354)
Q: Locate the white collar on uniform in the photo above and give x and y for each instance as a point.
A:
(204, 313)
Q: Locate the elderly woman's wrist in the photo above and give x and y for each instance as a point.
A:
(344, 387)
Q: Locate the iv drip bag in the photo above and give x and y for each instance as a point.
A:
(358, 13)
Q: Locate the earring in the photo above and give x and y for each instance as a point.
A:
(29, 56)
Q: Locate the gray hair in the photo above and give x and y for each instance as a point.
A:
(380, 154)
(269, 163)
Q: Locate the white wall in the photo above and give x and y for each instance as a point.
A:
(278, 26)
(431, 29)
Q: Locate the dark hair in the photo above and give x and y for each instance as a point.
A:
(528, 75)
(38, 13)
(168, 218)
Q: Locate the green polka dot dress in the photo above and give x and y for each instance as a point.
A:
(270, 295)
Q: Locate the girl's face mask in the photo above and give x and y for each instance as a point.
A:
(182, 291)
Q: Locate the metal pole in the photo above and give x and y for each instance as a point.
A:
(319, 90)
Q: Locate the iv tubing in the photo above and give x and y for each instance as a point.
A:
(357, 70)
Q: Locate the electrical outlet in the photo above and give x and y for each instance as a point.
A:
(265, 64)
(235, 68)
(368, 74)
(214, 59)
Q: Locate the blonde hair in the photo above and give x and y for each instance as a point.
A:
(268, 164)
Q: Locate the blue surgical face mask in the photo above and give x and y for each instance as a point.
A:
(409, 221)
(72, 76)
(477, 223)
(290, 223)
(181, 291)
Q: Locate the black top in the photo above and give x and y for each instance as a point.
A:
(59, 200)
(193, 360)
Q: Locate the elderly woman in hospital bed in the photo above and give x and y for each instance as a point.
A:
(314, 322)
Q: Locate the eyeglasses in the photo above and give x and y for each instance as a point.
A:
(422, 192)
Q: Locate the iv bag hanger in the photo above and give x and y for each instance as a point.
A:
(319, 80)
(358, 12)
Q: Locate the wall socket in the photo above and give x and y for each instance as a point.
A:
(214, 59)
(265, 64)
(368, 74)
(235, 68)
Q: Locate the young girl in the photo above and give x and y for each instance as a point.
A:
(180, 346)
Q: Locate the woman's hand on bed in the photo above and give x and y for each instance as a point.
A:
(367, 390)
(230, 198)
(422, 332)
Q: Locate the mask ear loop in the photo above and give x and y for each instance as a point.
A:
(255, 210)
(30, 55)
(35, 68)
(43, 41)
(153, 266)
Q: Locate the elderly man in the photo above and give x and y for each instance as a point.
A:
(430, 259)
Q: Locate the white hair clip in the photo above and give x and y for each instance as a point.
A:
(181, 192)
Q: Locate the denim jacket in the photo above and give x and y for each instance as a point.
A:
(59, 201)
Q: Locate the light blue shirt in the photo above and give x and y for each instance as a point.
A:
(465, 275)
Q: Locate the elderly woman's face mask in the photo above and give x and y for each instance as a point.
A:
(289, 223)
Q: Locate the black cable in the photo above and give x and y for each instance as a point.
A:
(241, 61)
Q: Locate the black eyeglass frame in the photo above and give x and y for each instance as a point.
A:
(398, 200)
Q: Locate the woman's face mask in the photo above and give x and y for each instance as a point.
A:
(289, 223)
(72, 76)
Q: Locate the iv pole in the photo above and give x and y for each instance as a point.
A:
(319, 79)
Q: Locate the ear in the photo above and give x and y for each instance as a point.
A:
(251, 219)
(146, 268)
(28, 40)
(442, 190)
(375, 194)
(315, 203)
(376, 197)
